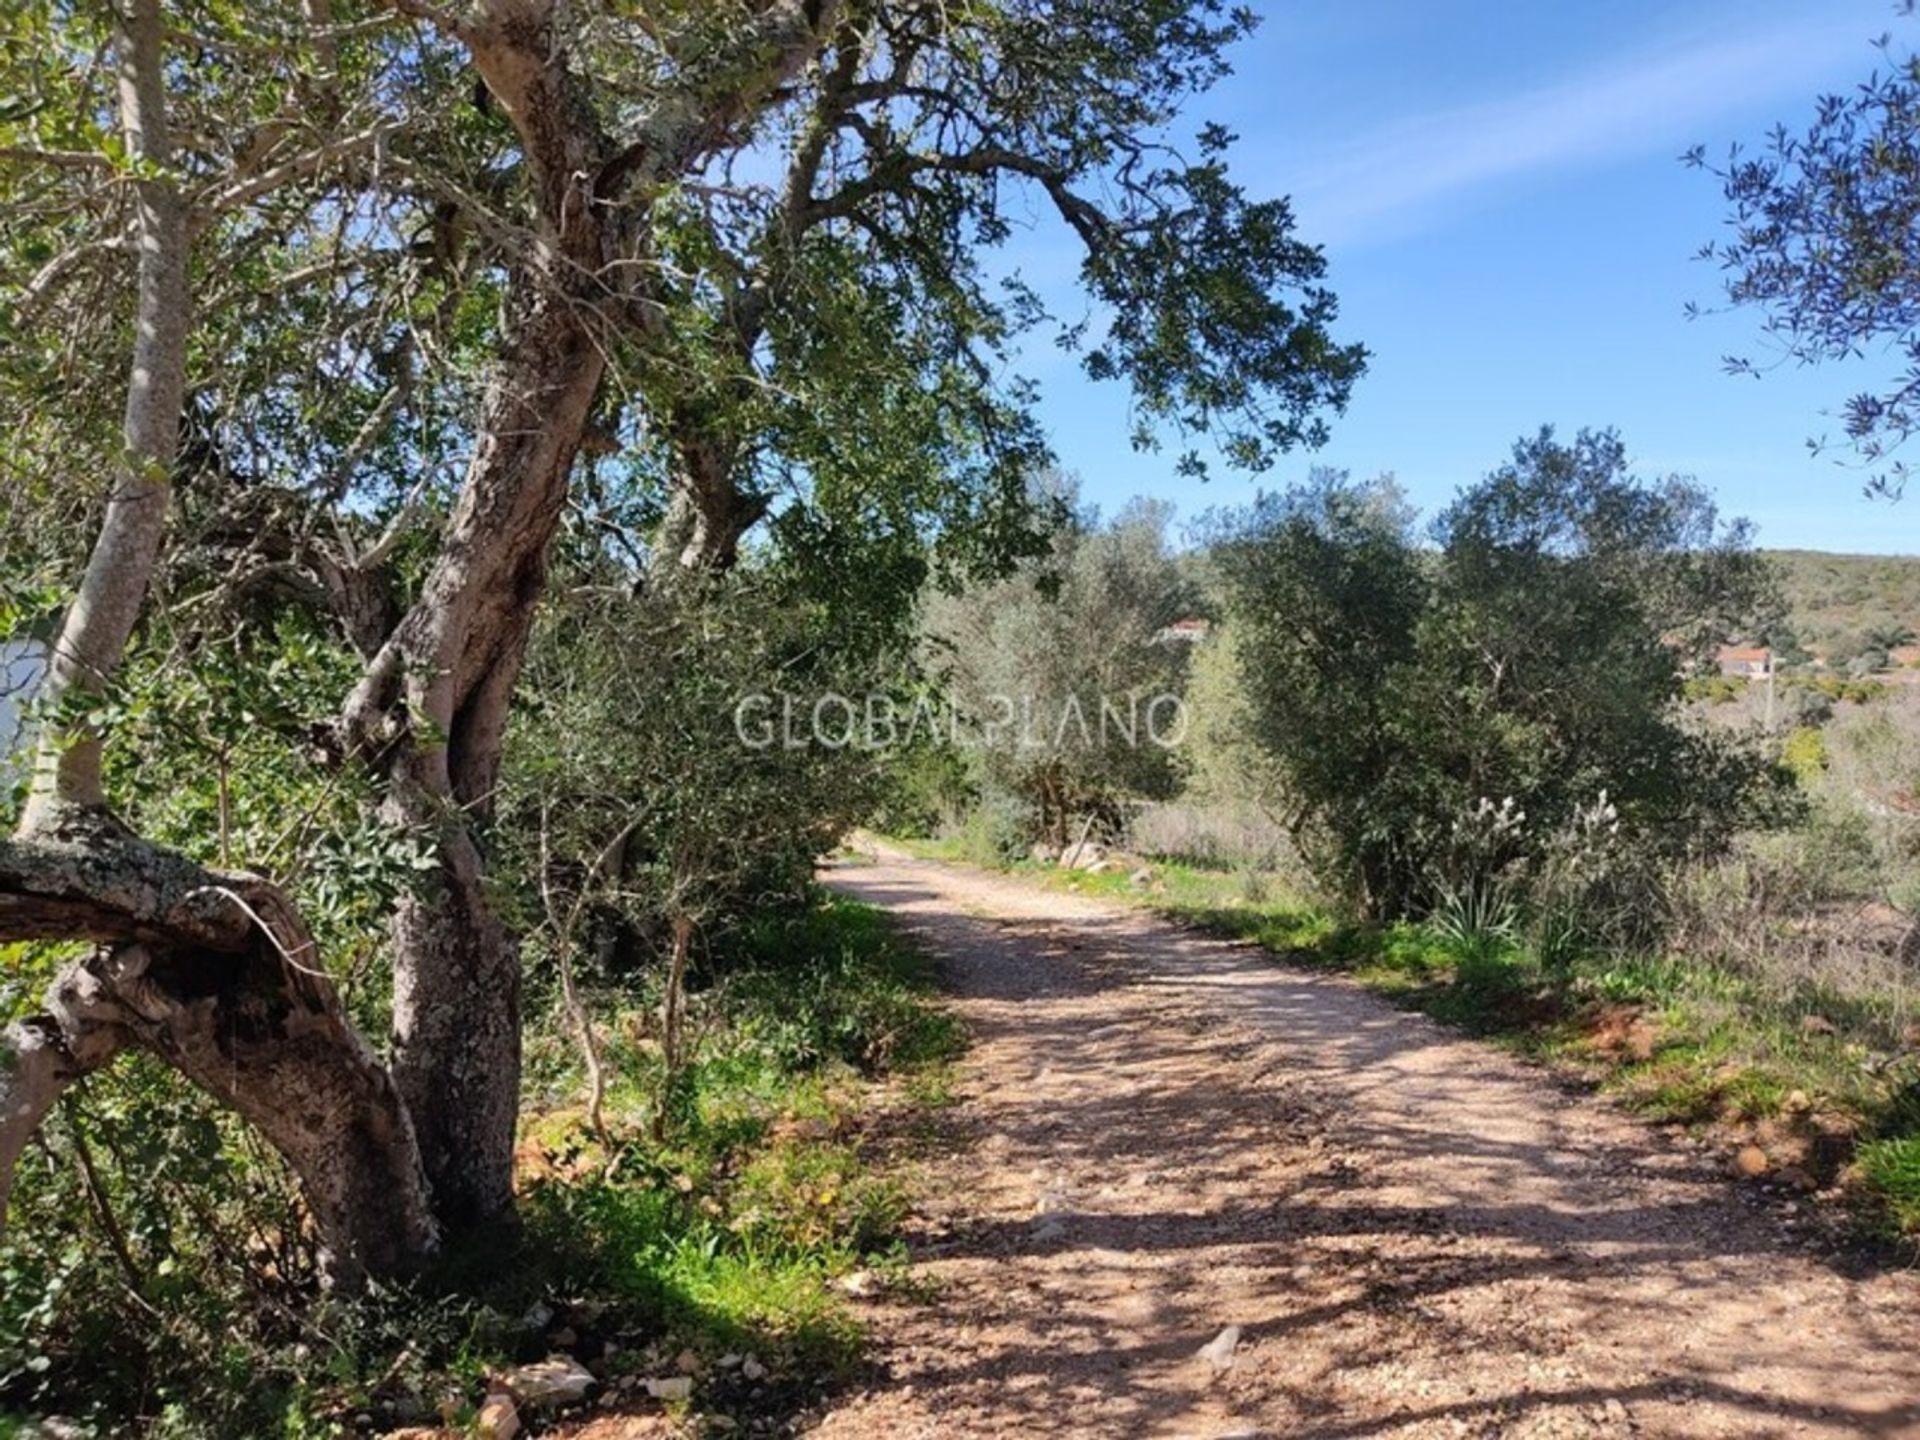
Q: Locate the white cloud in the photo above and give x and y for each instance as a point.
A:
(1402, 175)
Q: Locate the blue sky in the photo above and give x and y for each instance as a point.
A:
(1511, 234)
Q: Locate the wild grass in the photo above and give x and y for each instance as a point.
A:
(819, 1033)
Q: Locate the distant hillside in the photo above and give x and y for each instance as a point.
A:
(1839, 604)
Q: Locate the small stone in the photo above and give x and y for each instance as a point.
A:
(560, 1380)
(1797, 1101)
(688, 1363)
(859, 1284)
(728, 1361)
(1140, 878)
(497, 1420)
(538, 1317)
(1751, 1162)
(752, 1369)
(677, 1387)
(1796, 1177)
(1218, 1352)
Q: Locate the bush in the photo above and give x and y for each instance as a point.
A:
(1804, 754)
(1534, 664)
(999, 828)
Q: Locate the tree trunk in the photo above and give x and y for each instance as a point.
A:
(436, 703)
(93, 637)
(708, 515)
(456, 1053)
(672, 1024)
(216, 975)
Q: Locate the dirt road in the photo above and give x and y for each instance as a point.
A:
(1162, 1136)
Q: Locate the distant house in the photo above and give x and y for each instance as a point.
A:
(1185, 632)
(1746, 662)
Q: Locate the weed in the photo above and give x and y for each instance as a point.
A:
(1891, 1169)
(727, 1234)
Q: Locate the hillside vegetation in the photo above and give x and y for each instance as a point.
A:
(1459, 759)
(1835, 604)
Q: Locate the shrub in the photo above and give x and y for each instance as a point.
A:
(1536, 657)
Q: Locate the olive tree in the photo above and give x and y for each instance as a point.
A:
(1530, 660)
(1065, 687)
(418, 277)
(1821, 223)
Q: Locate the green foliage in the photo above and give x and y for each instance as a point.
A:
(878, 379)
(1817, 233)
(1832, 687)
(1804, 753)
(732, 1227)
(1326, 591)
(1532, 664)
(1064, 690)
(1222, 762)
(833, 984)
(1835, 602)
(1892, 1169)
(728, 1236)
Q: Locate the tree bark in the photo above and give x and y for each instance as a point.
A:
(708, 514)
(94, 634)
(436, 703)
(216, 975)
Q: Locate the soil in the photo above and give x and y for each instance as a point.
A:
(1162, 1138)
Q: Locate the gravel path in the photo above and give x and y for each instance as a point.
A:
(1161, 1136)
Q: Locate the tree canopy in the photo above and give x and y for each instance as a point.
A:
(1532, 658)
(1824, 244)
(433, 305)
